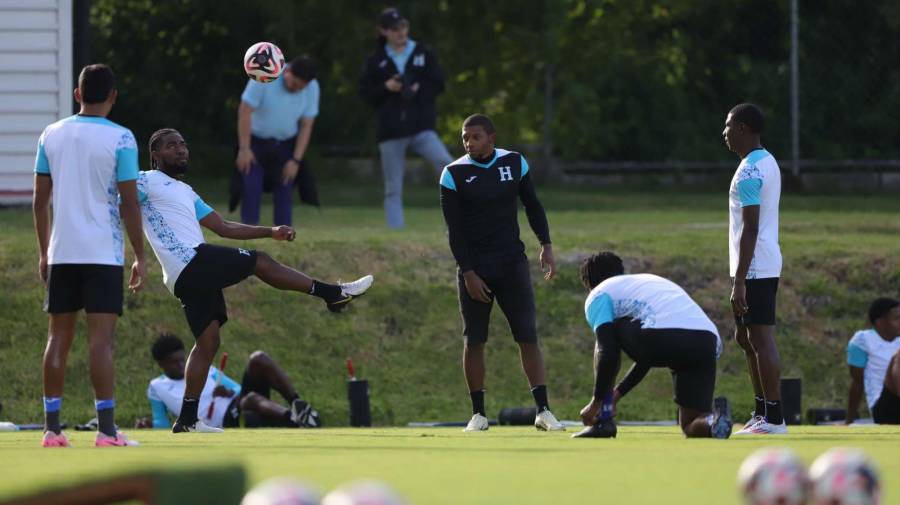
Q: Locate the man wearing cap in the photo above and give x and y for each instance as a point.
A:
(401, 79)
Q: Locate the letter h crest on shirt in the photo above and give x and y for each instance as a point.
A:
(505, 173)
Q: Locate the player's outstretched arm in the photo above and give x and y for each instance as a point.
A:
(239, 231)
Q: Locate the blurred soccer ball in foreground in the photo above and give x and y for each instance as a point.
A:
(264, 62)
(367, 492)
(844, 476)
(282, 491)
(773, 477)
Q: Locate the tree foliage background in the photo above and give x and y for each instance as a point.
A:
(630, 80)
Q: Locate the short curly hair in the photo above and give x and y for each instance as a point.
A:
(599, 267)
(166, 344)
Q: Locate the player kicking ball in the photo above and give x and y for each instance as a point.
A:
(197, 272)
(657, 325)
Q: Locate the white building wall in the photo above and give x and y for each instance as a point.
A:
(35, 85)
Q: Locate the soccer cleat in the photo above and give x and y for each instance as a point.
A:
(198, 427)
(721, 426)
(763, 427)
(53, 439)
(477, 423)
(546, 421)
(753, 420)
(303, 415)
(349, 291)
(120, 440)
(603, 429)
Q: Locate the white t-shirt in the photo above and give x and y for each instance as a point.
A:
(757, 181)
(171, 393)
(655, 301)
(86, 157)
(869, 351)
(171, 213)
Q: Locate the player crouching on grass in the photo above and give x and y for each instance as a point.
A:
(657, 324)
(229, 399)
(196, 272)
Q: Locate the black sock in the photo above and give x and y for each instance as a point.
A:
(540, 397)
(328, 292)
(760, 406)
(106, 419)
(51, 414)
(188, 415)
(773, 412)
(293, 397)
(478, 402)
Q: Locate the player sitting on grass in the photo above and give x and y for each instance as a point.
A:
(874, 359)
(229, 399)
(197, 272)
(657, 325)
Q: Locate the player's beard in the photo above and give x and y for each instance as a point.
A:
(175, 168)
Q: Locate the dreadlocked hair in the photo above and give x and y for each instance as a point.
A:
(599, 267)
(154, 139)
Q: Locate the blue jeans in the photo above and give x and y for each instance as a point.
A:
(393, 161)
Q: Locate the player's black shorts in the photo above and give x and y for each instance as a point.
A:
(94, 288)
(887, 409)
(511, 286)
(760, 302)
(689, 354)
(200, 285)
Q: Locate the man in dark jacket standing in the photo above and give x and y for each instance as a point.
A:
(401, 79)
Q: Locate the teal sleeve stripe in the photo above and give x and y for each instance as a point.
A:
(748, 190)
(160, 414)
(524, 166)
(600, 311)
(201, 209)
(447, 180)
(142, 197)
(856, 356)
(229, 383)
(41, 164)
(126, 165)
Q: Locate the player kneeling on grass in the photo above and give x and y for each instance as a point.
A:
(657, 325)
(196, 272)
(229, 399)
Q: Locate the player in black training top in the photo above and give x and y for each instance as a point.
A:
(479, 198)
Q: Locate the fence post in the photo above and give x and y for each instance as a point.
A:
(795, 92)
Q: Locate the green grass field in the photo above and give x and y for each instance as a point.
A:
(644, 465)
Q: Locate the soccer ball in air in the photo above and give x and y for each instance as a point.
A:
(844, 476)
(263, 62)
(773, 477)
(366, 492)
(282, 491)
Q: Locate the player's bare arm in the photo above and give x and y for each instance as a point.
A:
(245, 156)
(131, 215)
(749, 232)
(43, 185)
(292, 166)
(239, 231)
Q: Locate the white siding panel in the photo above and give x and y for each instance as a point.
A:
(28, 5)
(28, 41)
(23, 62)
(28, 102)
(30, 81)
(19, 143)
(29, 20)
(11, 164)
(26, 123)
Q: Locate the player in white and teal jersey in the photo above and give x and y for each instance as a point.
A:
(755, 262)
(83, 164)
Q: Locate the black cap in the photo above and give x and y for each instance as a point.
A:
(390, 18)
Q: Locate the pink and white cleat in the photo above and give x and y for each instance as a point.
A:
(53, 439)
(120, 440)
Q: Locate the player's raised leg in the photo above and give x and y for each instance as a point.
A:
(336, 296)
(56, 354)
